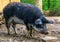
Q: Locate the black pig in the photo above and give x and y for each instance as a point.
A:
(30, 14)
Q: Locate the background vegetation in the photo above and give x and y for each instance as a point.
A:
(50, 7)
(28, 1)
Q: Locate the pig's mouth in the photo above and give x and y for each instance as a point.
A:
(41, 30)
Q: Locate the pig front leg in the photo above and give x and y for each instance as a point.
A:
(29, 28)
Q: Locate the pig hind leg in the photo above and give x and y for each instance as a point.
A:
(8, 26)
(14, 25)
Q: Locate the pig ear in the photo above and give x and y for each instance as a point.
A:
(38, 21)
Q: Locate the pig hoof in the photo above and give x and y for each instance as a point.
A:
(15, 33)
(8, 33)
(46, 33)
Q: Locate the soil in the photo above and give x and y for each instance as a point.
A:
(23, 35)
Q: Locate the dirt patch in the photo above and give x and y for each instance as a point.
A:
(22, 34)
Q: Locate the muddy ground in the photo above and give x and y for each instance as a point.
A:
(22, 34)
